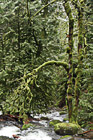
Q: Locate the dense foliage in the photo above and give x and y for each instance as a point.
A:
(86, 100)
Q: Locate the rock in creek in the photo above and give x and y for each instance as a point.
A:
(5, 138)
(66, 128)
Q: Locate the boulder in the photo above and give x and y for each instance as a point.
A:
(54, 122)
(44, 118)
(66, 128)
(63, 112)
(65, 119)
(5, 138)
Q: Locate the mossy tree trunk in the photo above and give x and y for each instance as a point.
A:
(70, 51)
(79, 67)
(18, 28)
(80, 56)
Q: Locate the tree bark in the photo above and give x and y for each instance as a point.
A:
(70, 51)
(80, 55)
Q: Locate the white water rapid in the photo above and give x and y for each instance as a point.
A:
(41, 132)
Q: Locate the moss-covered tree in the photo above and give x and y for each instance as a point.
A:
(70, 53)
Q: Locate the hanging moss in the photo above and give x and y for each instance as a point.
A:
(69, 91)
(69, 98)
(23, 97)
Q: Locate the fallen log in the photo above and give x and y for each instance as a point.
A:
(88, 134)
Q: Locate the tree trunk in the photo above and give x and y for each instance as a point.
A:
(79, 67)
(80, 55)
(70, 50)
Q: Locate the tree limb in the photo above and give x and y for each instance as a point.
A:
(52, 62)
(42, 9)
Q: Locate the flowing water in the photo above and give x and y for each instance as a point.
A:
(41, 130)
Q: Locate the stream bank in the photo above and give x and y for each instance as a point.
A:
(40, 130)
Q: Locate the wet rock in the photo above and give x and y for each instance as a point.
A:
(54, 122)
(44, 118)
(66, 128)
(15, 136)
(63, 112)
(65, 119)
(5, 138)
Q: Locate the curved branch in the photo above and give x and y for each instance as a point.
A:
(42, 9)
(52, 62)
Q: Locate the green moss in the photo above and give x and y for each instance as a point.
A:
(63, 112)
(68, 49)
(54, 122)
(44, 118)
(69, 82)
(65, 119)
(81, 57)
(5, 138)
(57, 63)
(69, 90)
(64, 108)
(26, 126)
(71, 70)
(66, 128)
(64, 137)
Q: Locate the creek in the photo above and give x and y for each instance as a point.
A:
(40, 130)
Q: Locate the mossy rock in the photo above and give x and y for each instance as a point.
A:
(45, 118)
(66, 128)
(54, 122)
(26, 126)
(5, 138)
(67, 137)
(64, 108)
(65, 119)
(63, 112)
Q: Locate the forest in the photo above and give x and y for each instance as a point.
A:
(46, 58)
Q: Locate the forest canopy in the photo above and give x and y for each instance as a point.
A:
(46, 57)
